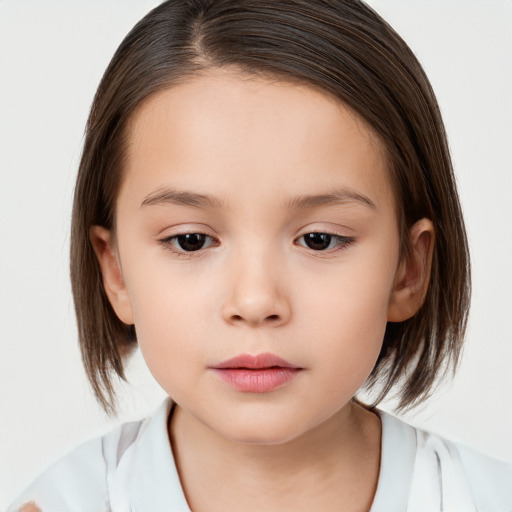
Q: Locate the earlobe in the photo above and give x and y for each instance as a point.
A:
(113, 280)
(413, 275)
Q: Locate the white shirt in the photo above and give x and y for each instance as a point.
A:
(132, 469)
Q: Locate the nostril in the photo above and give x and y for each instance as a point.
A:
(269, 318)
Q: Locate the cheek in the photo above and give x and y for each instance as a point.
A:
(350, 339)
(173, 308)
(347, 312)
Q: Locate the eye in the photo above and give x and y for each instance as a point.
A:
(324, 241)
(188, 242)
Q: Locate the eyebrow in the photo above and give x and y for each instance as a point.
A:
(340, 196)
(182, 198)
(185, 198)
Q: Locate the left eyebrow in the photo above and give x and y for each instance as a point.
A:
(336, 197)
(165, 196)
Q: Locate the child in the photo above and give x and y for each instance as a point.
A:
(265, 206)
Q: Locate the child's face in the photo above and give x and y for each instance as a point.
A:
(275, 162)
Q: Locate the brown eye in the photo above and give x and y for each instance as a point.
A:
(191, 241)
(323, 241)
(317, 241)
(187, 242)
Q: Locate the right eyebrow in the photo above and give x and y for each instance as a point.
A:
(165, 196)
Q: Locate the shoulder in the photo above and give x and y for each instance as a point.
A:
(488, 480)
(449, 476)
(78, 481)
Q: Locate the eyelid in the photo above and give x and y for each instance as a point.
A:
(167, 243)
(344, 241)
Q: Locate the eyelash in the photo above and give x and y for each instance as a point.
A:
(170, 242)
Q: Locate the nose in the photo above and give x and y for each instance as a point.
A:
(256, 295)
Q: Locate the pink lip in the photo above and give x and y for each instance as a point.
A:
(261, 373)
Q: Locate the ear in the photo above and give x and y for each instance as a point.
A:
(113, 280)
(413, 275)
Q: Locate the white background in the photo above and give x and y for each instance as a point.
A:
(52, 55)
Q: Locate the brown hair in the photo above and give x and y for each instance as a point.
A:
(341, 47)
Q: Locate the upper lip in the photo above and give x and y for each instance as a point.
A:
(255, 362)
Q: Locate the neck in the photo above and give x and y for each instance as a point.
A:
(330, 467)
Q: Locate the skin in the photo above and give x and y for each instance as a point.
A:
(256, 286)
(30, 507)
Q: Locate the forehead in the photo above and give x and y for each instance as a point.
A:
(225, 132)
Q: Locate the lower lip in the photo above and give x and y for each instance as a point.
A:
(257, 381)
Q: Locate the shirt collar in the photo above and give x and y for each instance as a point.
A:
(397, 457)
(155, 483)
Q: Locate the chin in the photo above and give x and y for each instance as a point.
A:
(262, 430)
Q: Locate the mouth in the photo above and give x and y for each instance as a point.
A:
(260, 373)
